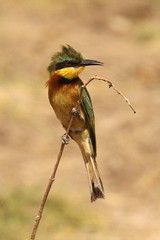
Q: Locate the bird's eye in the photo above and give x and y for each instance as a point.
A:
(67, 63)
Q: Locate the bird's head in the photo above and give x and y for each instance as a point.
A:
(69, 63)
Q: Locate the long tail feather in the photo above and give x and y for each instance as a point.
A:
(95, 182)
(97, 186)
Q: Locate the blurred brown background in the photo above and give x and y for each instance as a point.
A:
(125, 35)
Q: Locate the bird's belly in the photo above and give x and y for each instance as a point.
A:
(63, 105)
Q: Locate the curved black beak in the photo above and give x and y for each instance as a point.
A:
(88, 62)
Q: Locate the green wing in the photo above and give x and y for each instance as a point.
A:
(89, 117)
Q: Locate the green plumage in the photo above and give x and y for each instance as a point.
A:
(89, 115)
(67, 53)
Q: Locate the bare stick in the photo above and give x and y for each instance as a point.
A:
(110, 84)
(64, 142)
(51, 180)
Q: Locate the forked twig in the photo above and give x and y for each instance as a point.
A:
(110, 84)
(65, 142)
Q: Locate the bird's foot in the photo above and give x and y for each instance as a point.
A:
(65, 139)
(76, 112)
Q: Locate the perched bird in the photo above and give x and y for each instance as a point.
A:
(64, 91)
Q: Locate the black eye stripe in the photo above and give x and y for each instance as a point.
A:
(66, 63)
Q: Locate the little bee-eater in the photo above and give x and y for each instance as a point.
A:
(64, 87)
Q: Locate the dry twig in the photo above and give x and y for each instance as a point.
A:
(65, 141)
(110, 84)
(51, 180)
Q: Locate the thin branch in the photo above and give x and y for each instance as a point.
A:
(51, 180)
(65, 141)
(110, 84)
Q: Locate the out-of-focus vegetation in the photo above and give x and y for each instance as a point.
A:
(61, 216)
(126, 37)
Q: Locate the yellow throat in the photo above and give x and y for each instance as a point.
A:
(69, 72)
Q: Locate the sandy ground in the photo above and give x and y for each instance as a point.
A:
(126, 37)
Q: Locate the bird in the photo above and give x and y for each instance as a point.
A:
(64, 90)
